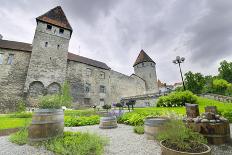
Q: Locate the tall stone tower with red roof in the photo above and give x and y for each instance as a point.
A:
(145, 68)
(47, 67)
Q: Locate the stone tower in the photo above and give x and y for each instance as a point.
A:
(47, 68)
(145, 68)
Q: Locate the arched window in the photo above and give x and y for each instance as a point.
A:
(53, 88)
(36, 89)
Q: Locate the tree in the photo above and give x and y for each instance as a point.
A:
(221, 86)
(225, 71)
(194, 82)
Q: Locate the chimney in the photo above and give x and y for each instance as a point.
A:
(1, 37)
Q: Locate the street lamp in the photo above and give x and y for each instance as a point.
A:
(178, 61)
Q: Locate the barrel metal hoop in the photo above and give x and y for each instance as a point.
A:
(46, 122)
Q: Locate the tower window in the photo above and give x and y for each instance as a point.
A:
(1, 58)
(88, 72)
(87, 87)
(102, 89)
(46, 44)
(102, 75)
(61, 31)
(58, 46)
(10, 59)
(49, 27)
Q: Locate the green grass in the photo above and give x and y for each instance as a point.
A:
(139, 114)
(77, 144)
(7, 122)
(71, 143)
(19, 137)
(139, 129)
(84, 112)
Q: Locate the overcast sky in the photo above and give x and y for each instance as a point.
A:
(114, 31)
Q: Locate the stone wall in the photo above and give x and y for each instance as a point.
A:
(48, 62)
(85, 86)
(122, 86)
(12, 78)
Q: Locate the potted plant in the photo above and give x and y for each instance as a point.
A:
(108, 121)
(177, 139)
(48, 119)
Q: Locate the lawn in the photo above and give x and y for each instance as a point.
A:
(7, 122)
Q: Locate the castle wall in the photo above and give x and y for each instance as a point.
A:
(12, 78)
(123, 86)
(85, 87)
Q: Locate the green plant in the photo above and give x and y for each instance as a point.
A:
(50, 102)
(106, 106)
(21, 106)
(177, 135)
(77, 144)
(176, 99)
(19, 137)
(81, 121)
(139, 129)
(56, 101)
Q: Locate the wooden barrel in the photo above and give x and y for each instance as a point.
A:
(152, 126)
(46, 124)
(212, 109)
(216, 133)
(192, 110)
(108, 122)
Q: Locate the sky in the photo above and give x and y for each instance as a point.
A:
(115, 31)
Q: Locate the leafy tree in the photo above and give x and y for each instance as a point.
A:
(220, 86)
(194, 82)
(225, 71)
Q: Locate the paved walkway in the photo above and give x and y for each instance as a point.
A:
(8, 148)
(123, 141)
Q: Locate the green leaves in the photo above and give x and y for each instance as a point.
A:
(177, 99)
(225, 71)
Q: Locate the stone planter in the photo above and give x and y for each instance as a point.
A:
(168, 151)
(108, 122)
(46, 124)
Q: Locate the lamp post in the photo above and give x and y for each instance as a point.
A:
(178, 61)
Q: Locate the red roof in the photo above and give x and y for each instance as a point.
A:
(143, 57)
(56, 17)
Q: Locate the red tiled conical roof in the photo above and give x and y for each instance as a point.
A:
(143, 57)
(56, 17)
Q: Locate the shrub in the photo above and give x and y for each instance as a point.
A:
(177, 99)
(21, 106)
(139, 129)
(21, 115)
(81, 121)
(176, 134)
(106, 106)
(56, 101)
(77, 144)
(19, 137)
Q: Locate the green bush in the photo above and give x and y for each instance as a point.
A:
(21, 106)
(19, 137)
(139, 129)
(81, 121)
(56, 101)
(86, 112)
(178, 135)
(77, 144)
(177, 99)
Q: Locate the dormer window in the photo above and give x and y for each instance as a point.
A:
(49, 27)
(61, 31)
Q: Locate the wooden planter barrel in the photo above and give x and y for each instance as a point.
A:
(216, 133)
(108, 122)
(168, 151)
(152, 126)
(46, 124)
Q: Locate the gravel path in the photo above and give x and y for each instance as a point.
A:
(8, 148)
(123, 141)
